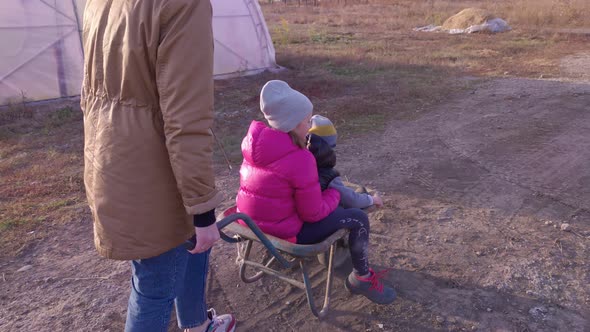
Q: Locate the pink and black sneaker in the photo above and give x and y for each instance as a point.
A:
(371, 287)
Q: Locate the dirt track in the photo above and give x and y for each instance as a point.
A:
(476, 189)
(472, 186)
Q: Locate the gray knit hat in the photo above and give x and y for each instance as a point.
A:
(283, 107)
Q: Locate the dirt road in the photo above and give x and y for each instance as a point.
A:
(477, 190)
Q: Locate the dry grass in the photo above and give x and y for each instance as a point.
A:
(524, 14)
(381, 34)
(361, 64)
(41, 170)
(547, 13)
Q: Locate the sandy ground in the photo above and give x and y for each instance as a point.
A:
(477, 190)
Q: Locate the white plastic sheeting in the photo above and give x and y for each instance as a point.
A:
(492, 26)
(242, 43)
(41, 56)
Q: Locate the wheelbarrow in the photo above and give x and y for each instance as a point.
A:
(288, 255)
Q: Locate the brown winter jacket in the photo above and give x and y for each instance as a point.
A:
(147, 99)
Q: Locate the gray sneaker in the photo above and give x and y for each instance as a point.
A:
(371, 287)
(220, 323)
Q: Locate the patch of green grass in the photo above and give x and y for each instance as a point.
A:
(230, 143)
(75, 182)
(526, 41)
(10, 223)
(14, 109)
(39, 123)
(60, 116)
(6, 224)
(449, 55)
(282, 33)
(322, 36)
(15, 160)
(523, 44)
(383, 49)
(57, 204)
(353, 71)
(52, 153)
(364, 122)
(7, 132)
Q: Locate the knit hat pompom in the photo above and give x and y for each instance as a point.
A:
(323, 127)
(283, 107)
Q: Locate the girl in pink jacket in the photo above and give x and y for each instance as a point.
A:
(280, 189)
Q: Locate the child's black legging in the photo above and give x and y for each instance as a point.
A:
(356, 220)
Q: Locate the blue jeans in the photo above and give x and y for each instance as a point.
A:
(175, 276)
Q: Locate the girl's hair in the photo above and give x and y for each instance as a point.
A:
(297, 140)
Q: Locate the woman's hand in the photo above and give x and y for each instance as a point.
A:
(206, 237)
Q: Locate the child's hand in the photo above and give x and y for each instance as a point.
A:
(377, 201)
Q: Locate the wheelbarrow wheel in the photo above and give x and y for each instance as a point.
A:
(341, 255)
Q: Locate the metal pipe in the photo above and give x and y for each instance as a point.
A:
(243, 264)
(277, 274)
(254, 228)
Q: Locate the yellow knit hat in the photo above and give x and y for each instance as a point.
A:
(323, 127)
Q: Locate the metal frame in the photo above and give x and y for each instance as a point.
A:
(278, 248)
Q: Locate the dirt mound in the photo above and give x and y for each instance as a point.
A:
(466, 18)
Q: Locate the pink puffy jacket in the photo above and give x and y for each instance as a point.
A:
(279, 185)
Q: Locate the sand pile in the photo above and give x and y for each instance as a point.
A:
(467, 18)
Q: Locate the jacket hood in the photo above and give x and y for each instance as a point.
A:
(263, 145)
(321, 150)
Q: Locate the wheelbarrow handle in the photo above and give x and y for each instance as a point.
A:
(190, 243)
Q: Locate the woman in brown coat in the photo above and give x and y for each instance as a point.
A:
(147, 99)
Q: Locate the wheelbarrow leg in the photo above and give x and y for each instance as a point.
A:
(243, 276)
(322, 313)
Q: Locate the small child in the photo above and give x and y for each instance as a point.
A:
(280, 189)
(320, 142)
